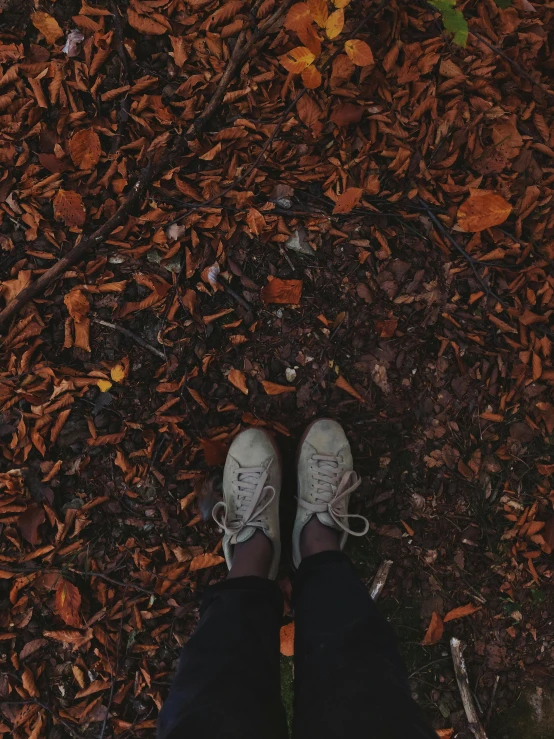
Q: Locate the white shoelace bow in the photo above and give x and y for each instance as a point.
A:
(330, 491)
(251, 496)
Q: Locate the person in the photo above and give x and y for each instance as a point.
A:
(349, 678)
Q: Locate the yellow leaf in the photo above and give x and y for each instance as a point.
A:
(483, 209)
(311, 77)
(359, 52)
(319, 11)
(335, 23)
(47, 25)
(297, 59)
(340, 3)
(118, 373)
(104, 385)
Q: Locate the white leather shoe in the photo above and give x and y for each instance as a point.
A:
(326, 479)
(251, 488)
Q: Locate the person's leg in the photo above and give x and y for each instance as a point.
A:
(228, 681)
(350, 680)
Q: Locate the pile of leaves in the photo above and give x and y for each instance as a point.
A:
(215, 215)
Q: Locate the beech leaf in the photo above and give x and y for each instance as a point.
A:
(68, 602)
(359, 52)
(483, 209)
(69, 208)
(85, 148)
(435, 631)
(282, 291)
(348, 200)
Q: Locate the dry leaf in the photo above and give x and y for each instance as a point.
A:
(309, 113)
(311, 77)
(335, 24)
(69, 208)
(205, 560)
(298, 17)
(286, 637)
(297, 59)
(68, 602)
(435, 631)
(347, 387)
(145, 24)
(348, 200)
(215, 451)
(272, 388)
(238, 379)
(319, 11)
(28, 681)
(29, 522)
(359, 52)
(117, 373)
(284, 292)
(445, 733)
(460, 612)
(77, 304)
(85, 148)
(483, 209)
(47, 25)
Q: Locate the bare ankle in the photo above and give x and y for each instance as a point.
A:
(316, 537)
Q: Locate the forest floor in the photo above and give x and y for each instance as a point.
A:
(377, 248)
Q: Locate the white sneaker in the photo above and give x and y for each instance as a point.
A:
(251, 488)
(326, 479)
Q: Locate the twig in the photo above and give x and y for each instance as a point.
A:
(521, 72)
(457, 648)
(380, 579)
(115, 672)
(127, 332)
(491, 704)
(125, 104)
(45, 707)
(469, 259)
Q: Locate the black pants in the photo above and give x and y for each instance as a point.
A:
(349, 678)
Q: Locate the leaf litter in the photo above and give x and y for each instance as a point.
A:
(417, 175)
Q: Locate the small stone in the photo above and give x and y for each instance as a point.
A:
(290, 374)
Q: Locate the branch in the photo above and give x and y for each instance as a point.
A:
(127, 332)
(457, 648)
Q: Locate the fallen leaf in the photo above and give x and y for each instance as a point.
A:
(311, 77)
(298, 17)
(29, 522)
(445, 733)
(359, 52)
(272, 388)
(297, 59)
(286, 636)
(335, 24)
(77, 304)
(117, 373)
(238, 379)
(85, 148)
(69, 208)
(215, 451)
(104, 385)
(319, 11)
(202, 561)
(348, 200)
(460, 612)
(435, 631)
(548, 532)
(68, 602)
(29, 683)
(47, 25)
(483, 209)
(347, 387)
(31, 647)
(284, 292)
(145, 24)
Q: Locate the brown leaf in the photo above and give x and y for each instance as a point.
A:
(298, 17)
(28, 681)
(286, 638)
(29, 522)
(205, 560)
(311, 77)
(348, 200)
(68, 602)
(256, 221)
(319, 11)
(272, 388)
(548, 532)
(346, 113)
(215, 451)
(85, 148)
(47, 25)
(67, 636)
(146, 24)
(460, 612)
(238, 379)
(77, 304)
(347, 387)
(359, 52)
(435, 631)
(284, 292)
(31, 647)
(445, 733)
(297, 59)
(69, 208)
(483, 209)
(310, 114)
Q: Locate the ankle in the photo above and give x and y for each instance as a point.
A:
(316, 537)
(252, 557)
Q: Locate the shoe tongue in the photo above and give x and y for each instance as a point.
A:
(326, 519)
(246, 533)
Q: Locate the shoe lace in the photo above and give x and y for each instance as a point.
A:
(251, 496)
(331, 489)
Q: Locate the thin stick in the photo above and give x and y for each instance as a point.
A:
(125, 104)
(457, 648)
(380, 578)
(493, 696)
(127, 332)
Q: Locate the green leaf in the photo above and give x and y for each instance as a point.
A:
(453, 19)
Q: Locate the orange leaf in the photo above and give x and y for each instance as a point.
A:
(205, 560)
(488, 416)
(298, 17)
(309, 113)
(483, 209)
(335, 23)
(461, 612)
(69, 208)
(77, 304)
(285, 292)
(297, 59)
(85, 148)
(311, 77)
(359, 52)
(287, 639)
(48, 26)
(68, 602)
(255, 220)
(29, 683)
(435, 630)
(273, 388)
(319, 11)
(348, 200)
(445, 733)
(340, 3)
(347, 387)
(238, 379)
